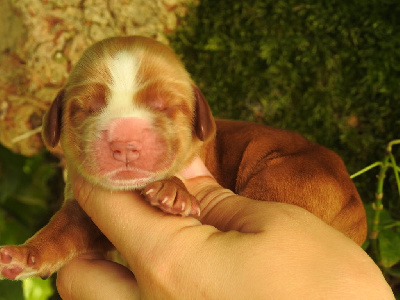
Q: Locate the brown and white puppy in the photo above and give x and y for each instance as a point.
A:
(130, 117)
(127, 117)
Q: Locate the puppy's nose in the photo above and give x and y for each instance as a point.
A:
(125, 152)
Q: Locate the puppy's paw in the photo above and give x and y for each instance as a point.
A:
(20, 262)
(171, 196)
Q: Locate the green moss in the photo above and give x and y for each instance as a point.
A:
(329, 70)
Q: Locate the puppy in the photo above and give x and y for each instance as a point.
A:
(130, 118)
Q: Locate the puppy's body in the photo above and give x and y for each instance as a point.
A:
(270, 164)
(130, 118)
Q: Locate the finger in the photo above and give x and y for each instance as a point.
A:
(152, 242)
(224, 209)
(96, 279)
(221, 207)
(133, 226)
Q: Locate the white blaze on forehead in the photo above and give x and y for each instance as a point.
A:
(123, 68)
(124, 71)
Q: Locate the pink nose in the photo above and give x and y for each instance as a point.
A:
(125, 152)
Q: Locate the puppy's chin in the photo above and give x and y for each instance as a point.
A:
(125, 184)
(123, 180)
(131, 178)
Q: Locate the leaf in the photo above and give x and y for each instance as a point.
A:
(37, 289)
(385, 218)
(389, 245)
(25, 194)
(10, 172)
(395, 271)
(12, 231)
(10, 290)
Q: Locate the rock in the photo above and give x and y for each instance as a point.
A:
(42, 40)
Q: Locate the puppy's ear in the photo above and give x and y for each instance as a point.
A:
(204, 124)
(51, 125)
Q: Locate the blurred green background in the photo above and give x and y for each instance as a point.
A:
(329, 70)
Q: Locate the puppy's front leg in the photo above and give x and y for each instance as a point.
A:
(171, 196)
(69, 233)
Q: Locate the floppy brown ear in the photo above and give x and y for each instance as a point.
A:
(51, 125)
(204, 124)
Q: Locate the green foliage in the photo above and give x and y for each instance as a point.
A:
(389, 245)
(388, 237)
(25, 206)
(10, 290)
(24, 195)
(384, 235)
(37, 289)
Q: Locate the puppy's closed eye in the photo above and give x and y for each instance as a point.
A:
(158, 103)
(88, 98)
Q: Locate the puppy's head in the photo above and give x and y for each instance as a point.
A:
(129, 114)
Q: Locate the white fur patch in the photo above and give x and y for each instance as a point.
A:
(123, 67)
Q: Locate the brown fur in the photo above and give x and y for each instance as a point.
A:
(270, 164)
(256, 161)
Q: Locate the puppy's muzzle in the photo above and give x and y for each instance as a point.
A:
(125, 152)
(125, 138)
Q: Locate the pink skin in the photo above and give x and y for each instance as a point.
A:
(15, 260)
(196, 168)
(129, 149)
(130, 154)
(10, 272)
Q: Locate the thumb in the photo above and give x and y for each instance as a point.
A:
(220, 207)
(197, 178)
(202, 185)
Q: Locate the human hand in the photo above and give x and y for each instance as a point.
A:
(239, 248)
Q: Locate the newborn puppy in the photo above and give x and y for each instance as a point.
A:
(131, 118)
(127, 118)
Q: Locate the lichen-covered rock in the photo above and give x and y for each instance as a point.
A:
(42, 40)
